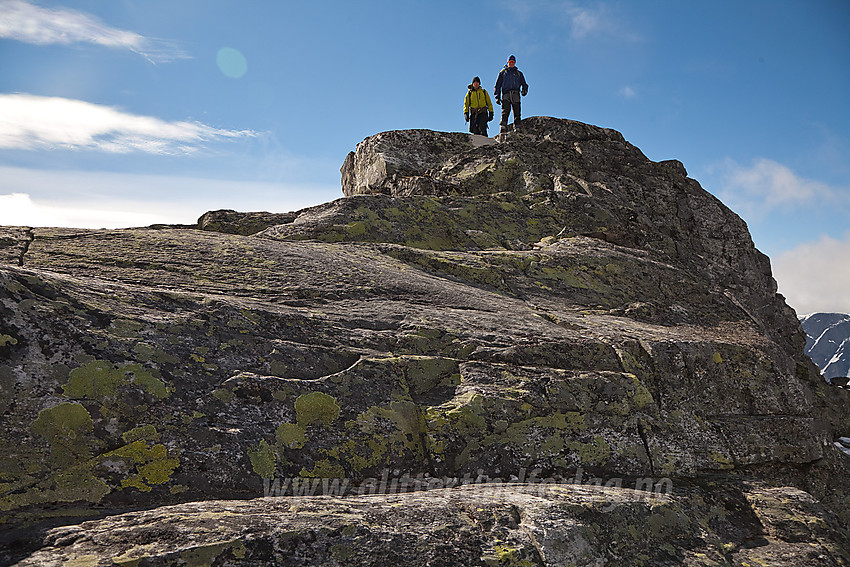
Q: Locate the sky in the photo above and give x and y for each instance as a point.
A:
(119, 113)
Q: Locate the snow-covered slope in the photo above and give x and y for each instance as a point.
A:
(828, 342)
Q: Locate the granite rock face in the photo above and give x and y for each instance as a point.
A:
(543, 307)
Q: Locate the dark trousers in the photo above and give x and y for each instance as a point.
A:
(510, 101)
(478, 123)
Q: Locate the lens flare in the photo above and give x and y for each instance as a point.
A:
(231, 62)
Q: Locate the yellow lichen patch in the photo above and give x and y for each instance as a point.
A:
(100, 380)
(640, 396)
(291, 435)
(223, 395)
(509, 556)
(263, 459)
(65, 427)
(7, 340)
(147, 432)
(380, 433)
(594, 453)
(152, 464)
(316, 408)
(464, 413)
(407, 421)
(323, 469)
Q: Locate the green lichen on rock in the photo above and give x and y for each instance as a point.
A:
(146, 432)
(595, 453)
(399, 426)
(510, 557)
(324, 468)
(66, 428)
(316, 408)
(148, 352)
(423, 373)
(263, 459)
(152, 464)
(69, 473)
(74, 484)
(101, 380)
(223, 395)
(464, 413)
(7, 340)
(291, 435)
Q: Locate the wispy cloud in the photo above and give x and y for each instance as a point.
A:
(31, 122)
(585, 20)
(815, 276)
(766, 185)
(588, 21)
(627, 92)
(29, 23)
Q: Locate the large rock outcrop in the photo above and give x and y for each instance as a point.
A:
(549, 306)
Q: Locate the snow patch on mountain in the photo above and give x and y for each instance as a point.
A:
(828, 343)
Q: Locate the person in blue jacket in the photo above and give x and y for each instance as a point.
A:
(509, 86)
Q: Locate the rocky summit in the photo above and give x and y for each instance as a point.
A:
(538, 349)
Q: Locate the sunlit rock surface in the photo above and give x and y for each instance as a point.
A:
(550, 307)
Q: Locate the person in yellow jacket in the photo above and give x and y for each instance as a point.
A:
(477, 108)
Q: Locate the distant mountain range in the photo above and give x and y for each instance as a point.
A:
(828, 343)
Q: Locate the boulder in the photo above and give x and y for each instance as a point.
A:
(550, 308)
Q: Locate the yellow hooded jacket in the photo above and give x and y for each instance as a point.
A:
(476, 99)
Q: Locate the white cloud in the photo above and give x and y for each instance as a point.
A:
(101, 199)
(18, 209)
(26, 22)
(628, 92)
(767, 185)
(31, 122)
(815, 276)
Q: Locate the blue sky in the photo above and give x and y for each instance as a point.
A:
(128, 112)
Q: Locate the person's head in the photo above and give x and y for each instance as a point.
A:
(476, 82)
(511, 61)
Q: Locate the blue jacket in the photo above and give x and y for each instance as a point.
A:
(510, 79)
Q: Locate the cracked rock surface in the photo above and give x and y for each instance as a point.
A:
(547, 308)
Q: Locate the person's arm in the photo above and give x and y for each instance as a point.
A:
(489, 106)
(524, 84)
(498, 88)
